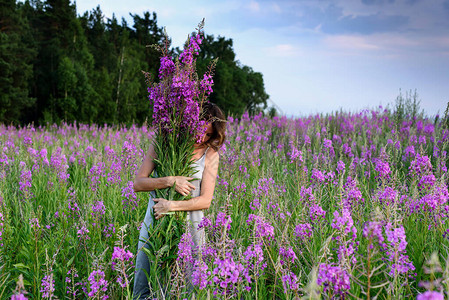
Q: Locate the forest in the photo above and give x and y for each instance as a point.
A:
(57, 65)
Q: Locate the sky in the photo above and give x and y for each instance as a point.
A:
(319, 56)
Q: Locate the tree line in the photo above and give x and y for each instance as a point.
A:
(56, 65)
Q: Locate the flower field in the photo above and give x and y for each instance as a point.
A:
(348, 205)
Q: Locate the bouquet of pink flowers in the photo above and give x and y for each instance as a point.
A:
(176, 100)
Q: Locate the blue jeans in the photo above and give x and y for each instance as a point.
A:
(141, 288)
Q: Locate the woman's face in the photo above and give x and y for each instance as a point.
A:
(207, 134)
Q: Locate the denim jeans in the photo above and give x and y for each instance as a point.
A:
(141, 288)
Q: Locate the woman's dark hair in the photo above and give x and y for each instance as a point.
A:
(211, 113)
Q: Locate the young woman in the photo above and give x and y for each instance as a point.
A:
(206, 160)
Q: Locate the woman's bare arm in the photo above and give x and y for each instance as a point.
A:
(144, 183)
(207, 190)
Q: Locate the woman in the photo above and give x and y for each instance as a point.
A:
(206, 160)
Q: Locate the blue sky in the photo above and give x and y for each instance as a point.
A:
(321, 55)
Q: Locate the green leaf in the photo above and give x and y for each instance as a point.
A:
(21, 266)
(70, 261)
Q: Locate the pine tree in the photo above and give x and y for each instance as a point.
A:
(16, 56)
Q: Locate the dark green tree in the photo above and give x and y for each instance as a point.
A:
(16, 56)
(237, 87)
(105, 63)
(57, 66)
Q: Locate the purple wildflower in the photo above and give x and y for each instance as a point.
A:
(289, 281)
(47, 286)
(121, 257)
(25, 181)
(1, 228)
(262, 228)
(317, 176)
(98, 284)
(287, 254)
(200, 274)
(83, 233)
(205, 222)
(223, 220)
(333, 278)
(316, 212)
(303, 231)
(254, 257)
(430, 295)
(420, 165)
(185, 246)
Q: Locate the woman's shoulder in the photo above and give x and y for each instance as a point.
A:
(211, 152)
(212, 155)
(151, 151)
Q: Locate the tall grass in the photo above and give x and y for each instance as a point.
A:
(333, 206)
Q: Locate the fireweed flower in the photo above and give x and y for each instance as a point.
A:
(340, 167)
(346, 235)
(200, 274)
(374, 229)
(262, 228)
(43, 155)
(328, 148)
(316, 213)
(34, 222)
(386, 196)
(382, 167)
(1, 226)
(430, 295)
(176, 98)
(109, 230)
(420, 165)
(294, 154)
(98, 209)
(83, 233)
(426, 182)
(289, 281)
(303, 231)
(204, 223)
(121, 261)
(74, 209)
(58, 162)
(222, 220)
(114, 174)
(352, 196)
(47, 286)
(317, 176)
(129, 197)
(98, 285)
(185, 246)
(433, 202)
(393, 244)
(254, 258)
(96, 173)
(227, 274)
(72, 286)
(409, 152)
(129, 156)
(333, 279)
(25, 181)
(287, 255)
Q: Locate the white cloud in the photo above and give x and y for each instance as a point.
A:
(254, 6)
(283, 50)
(277, 8)
(350, 42)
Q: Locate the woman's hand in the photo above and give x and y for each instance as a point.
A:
(161, 207)
(182, 184)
